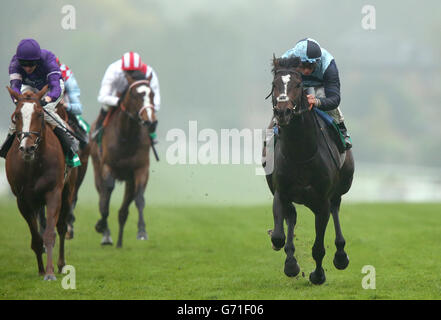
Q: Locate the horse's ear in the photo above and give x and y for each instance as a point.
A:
(13, 93)
(274, 60)
(42, 92)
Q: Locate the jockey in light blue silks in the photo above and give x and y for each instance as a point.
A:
(72, 103)
(320, 76)
(30, 69)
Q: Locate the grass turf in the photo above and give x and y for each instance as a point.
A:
(197, 252)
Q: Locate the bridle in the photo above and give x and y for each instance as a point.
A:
(20, 135)
(283, 97)
(137, 117)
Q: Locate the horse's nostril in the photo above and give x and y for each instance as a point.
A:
(31, 148)
(21, 148)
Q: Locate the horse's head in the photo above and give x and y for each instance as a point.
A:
(29, 121)
(137, 101)
(287, 90)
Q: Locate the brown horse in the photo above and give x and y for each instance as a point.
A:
(124, 155)
(307, 169)
(83, 154)
(36, 171)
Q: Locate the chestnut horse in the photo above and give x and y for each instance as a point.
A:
(124, 155)
(307, 169)
(36, 172)
(83, 154)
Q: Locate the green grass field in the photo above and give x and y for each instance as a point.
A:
(197, 252)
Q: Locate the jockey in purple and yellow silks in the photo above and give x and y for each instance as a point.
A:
(30, 69)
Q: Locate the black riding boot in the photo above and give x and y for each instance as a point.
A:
(67, 142)
(99, 123)
(7, 145)
(344, 131)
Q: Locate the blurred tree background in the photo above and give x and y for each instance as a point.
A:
(213, 59)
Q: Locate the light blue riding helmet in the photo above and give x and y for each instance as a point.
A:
(308, 50)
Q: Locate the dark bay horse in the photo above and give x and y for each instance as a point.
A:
(124, 155)
(36, 172)
(307, 169)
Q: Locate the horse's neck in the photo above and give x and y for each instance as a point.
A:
(299, 138)
(126, 126)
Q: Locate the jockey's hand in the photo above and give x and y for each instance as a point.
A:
(311, 101)
(47, 99)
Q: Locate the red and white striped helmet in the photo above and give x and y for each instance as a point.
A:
(131, 61)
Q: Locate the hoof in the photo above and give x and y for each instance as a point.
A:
(50, 277)
(341, 260)
(317, 277)
(107, 240)
(292, 268)
(142, 235)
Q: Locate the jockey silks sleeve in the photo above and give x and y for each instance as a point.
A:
(331, 83)
(47, 72)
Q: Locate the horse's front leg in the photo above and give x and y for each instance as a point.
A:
(318, 250)
(279, 213)
(105, 186)
(141, 178)
(37, 241)
(291, 267)
(53, 205)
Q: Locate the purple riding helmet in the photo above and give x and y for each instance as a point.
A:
(28, 49)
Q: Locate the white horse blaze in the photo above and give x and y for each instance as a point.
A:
(284, 96)
(26, 113)
(147, 103)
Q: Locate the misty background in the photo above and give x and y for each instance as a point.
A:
(213, 60)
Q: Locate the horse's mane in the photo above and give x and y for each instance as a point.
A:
(285, 63)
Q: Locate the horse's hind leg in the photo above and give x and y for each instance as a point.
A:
(341, 259)
(62, 224)
(291, 267)
(37, 240)
(105, 187)
(318, 249)
(123, 213)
